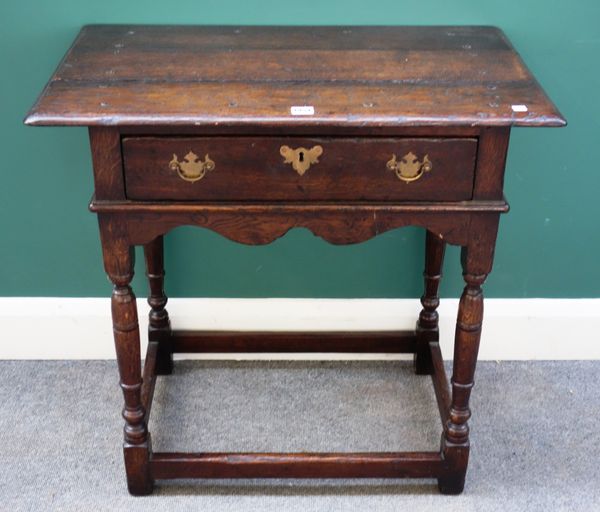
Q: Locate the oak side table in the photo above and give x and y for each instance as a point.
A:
(251, 131)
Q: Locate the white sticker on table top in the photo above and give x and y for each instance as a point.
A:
(302, 110)
(519, 108)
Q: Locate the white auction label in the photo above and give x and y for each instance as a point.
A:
(519, 108)
(303, 110)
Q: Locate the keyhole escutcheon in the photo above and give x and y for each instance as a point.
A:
(301, 158)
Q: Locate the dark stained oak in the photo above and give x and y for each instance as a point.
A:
(118, 263)
(476, 258)
(257, 224)
(109, 181)
(427, 325)
(402, 342)
(252, 169)
(439, 98)
(296, 465)
(149, 374)
(440, 381)
(159, 325)
(235, 76)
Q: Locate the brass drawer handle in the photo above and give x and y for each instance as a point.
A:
(301, 158)
(191, 168)
(409, 168)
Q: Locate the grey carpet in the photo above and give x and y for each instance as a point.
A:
(534, 435)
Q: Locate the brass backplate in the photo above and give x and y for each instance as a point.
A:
(191, 168)
(301, 158)
(409, 168)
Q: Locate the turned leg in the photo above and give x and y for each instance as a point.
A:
(476, 261)
(427, 325)
(159, 327)
(118, 261)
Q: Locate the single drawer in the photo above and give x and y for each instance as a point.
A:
(298, 168)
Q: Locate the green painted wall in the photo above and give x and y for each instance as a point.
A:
(549, 243)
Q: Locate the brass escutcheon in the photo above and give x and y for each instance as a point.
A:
(409, 168)
(301, 158)
(191, 168)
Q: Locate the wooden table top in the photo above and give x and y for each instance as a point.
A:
(125, 75)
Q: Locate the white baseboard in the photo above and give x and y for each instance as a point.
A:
(71, 328)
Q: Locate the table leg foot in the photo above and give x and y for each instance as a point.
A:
(137, 467)
(452, 485)
(422, 362)
(164, 361)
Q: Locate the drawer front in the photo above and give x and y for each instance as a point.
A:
(298, 169)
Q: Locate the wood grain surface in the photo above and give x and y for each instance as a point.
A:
(237, 76)
(252, 168)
